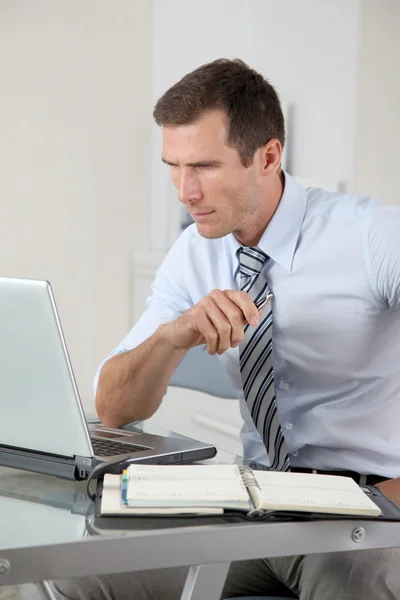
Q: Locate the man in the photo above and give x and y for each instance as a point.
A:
(329, 265)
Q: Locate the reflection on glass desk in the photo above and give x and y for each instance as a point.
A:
(48, 530)
(40, 509)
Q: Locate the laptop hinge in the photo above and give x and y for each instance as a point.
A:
(84, 466)
(38, 463)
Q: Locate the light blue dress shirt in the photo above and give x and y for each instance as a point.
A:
(334, 272)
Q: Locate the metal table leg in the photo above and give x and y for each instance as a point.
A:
(205, 581)
(46, 590)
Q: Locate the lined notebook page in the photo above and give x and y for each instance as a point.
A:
(111, 503)
(315, 493)
(180, 485)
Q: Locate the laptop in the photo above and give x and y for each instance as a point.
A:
(42, 423)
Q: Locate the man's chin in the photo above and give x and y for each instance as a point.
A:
(211, 233)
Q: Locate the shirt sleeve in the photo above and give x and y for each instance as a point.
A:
(168, 300)
(384, 252)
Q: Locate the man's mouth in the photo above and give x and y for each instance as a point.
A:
(201, 216)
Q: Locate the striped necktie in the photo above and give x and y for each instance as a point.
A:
(255, 352)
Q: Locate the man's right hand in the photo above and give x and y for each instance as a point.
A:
(217, 320)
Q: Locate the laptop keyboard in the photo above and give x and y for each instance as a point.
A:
(108, 448)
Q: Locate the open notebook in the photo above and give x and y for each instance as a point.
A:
(217, 489)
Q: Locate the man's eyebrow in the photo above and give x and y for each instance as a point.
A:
(198, 163)
(167, 162)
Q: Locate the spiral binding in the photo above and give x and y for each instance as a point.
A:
(248, 477)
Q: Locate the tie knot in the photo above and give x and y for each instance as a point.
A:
(251, 260)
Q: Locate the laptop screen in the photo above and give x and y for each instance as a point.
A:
(39, 400)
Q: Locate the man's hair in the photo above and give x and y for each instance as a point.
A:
(249, 101)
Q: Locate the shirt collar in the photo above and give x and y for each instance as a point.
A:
(279, 239)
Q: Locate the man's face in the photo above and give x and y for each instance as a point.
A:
(220, 193)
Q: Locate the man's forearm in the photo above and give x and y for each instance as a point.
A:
(132, 384)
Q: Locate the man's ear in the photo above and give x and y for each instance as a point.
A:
(271, 156)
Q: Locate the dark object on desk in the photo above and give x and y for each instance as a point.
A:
(389, 512)
(42, 425)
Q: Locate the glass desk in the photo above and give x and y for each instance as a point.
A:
(48, 531)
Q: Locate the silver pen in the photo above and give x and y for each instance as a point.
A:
(260, 305)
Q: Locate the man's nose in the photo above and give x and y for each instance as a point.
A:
(189, 188)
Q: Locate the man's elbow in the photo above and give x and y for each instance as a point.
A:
(112, 416)
(109, 419)
(105, 405)
(107, 412)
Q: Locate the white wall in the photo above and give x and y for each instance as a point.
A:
(81, 186)
(378, 101)
(75, 114)
(309, 52)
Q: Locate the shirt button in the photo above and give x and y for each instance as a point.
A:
(294, 453)
(288, 425)
(284, 385)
